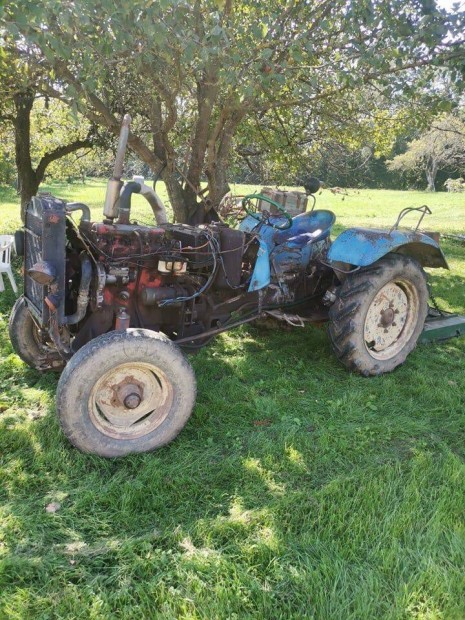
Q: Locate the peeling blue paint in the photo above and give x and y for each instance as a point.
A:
(364, 246)
(261, 273)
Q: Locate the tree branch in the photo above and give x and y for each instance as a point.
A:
(7, 117)
(103, 115)
(58, 153)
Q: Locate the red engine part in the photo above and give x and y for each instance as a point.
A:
(125, 241)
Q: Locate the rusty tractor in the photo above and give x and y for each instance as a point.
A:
(115, 305)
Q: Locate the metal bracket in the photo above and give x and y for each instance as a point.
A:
(424, 210)
(443, 327)
(291, 319)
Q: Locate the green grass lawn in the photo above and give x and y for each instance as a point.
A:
(297, 490)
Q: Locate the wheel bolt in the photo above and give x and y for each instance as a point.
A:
(132, 401)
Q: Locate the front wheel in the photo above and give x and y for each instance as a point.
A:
(125, 392)
(24, 334)
(379, 314)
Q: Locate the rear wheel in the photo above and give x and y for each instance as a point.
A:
(125, 392)
(379, 314)
(24, 334)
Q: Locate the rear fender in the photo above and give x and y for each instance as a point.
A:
(364, 246)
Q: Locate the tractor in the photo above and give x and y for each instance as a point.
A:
(115, 305)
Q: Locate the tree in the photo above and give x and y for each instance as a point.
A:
(442, 146)
(57, 132)
(191, 72)
(285, 146)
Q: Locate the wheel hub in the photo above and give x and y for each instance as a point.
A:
(130, 400)
(386, 319)
(129, 394)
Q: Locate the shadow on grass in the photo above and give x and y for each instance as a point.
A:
(296, 490)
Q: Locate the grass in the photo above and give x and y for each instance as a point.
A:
(297, 490)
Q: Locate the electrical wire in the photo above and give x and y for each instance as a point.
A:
(205, 287)
(211, 242)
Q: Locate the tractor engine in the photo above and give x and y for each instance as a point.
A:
(154, 277)
(83, 280)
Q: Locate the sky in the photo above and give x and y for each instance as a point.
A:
(447, 4)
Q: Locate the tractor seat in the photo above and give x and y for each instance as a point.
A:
(306, 228)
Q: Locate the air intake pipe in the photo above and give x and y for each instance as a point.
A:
(118, 196)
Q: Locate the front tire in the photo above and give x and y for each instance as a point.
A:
(125, 392)
(379, 314)
(24, 334)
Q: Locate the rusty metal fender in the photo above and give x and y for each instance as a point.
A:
(364, 246)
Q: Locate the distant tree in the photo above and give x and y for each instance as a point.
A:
(7, 155)
(440, 147)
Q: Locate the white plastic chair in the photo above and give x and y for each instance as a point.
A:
(6, 245)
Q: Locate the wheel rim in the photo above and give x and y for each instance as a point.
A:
(391, 319)
(130, 400)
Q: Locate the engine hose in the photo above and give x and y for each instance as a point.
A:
(83, 296)
(79, 206)
(124, 202)
(54, 332)
(155, 202)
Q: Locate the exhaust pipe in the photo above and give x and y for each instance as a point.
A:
(115, 184)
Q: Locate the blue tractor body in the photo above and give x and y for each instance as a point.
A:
(309, 235)
(364, 246)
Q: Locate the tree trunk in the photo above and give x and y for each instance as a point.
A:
(29, 179)
(218, 152)
(431, 172)
(28, 183)
(28, 188)
(178, 199)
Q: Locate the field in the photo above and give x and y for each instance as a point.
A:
(297, 490)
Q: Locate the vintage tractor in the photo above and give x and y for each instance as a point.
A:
(115, 304)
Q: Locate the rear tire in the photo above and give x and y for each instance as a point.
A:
(379, 314)
(24, 334)
(125, 392)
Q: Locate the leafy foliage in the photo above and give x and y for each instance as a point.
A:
(191, 73)
(7, 163)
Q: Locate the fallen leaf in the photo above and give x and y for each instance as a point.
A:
(53, 507)
(265, 422)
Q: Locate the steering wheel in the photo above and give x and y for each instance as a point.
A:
(246, 202)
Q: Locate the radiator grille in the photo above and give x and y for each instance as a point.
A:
(34, 292)
(44, 240)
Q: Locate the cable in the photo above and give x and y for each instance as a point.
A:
(216, 254)
(207, 284)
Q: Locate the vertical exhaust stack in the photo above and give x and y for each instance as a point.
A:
(110, 209)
